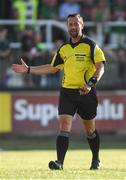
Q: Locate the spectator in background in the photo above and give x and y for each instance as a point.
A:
(5, 9)
(109, 54)
(2, 12)
(54, 81)
(27, 44)
(87, 8)
(6, 14)
(86, 11)
(121, 56)
(56, 46)
(115, 69)
(68, 7)
(118, 9)
(38, 56)
(101, 13)
(4, 55)
(48, 9)
(118, 34)
(23, 10)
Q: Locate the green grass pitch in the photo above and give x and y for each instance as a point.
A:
(29, 160)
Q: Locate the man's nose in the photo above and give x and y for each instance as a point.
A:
(73, 27)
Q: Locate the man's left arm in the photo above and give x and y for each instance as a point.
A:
(99, 61)
(99, 70)
(93, 80)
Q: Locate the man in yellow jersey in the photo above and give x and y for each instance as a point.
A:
(83, 64)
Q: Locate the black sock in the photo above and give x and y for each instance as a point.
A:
(62, 144)
(94, 143)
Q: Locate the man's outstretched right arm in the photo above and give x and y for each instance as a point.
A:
(42, 69)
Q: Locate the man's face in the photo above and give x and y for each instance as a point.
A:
(75, 26)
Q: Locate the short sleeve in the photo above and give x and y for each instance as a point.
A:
(98, 55)
(57, 61)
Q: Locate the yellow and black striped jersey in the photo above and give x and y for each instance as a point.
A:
(77, 61)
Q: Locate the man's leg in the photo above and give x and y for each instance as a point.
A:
(62, 142)
(94, 142)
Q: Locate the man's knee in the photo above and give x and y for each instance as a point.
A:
(65, 122)
(90, 131)
(89, 126)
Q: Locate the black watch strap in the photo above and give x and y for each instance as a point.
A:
(28, 70)
(92, 81)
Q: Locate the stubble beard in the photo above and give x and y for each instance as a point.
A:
(74, 35)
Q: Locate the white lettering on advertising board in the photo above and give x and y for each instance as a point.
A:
(108, 110)
(34, 112)
(47, 111)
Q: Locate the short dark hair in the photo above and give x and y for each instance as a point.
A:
(75, 15)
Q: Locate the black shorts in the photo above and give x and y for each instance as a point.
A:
(71, 102)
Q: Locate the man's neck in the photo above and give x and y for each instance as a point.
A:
(75, 40)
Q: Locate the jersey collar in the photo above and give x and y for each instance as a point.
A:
(75, 44)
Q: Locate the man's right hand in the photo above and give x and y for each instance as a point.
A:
(20, 68)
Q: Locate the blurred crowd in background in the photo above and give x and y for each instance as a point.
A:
(31, 38)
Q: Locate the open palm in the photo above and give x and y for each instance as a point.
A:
(20, 68)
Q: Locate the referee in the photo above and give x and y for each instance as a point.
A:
(83, 64)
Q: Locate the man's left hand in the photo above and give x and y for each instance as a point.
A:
(85, 90)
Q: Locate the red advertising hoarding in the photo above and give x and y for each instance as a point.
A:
(38, 112)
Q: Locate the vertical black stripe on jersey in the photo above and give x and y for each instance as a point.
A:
(85, 77)
(58, 60)
(92, 45)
